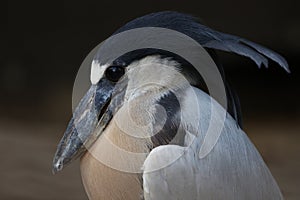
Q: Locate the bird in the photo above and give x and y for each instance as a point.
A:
(152, 90)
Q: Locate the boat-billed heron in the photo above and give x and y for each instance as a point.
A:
(138, 132)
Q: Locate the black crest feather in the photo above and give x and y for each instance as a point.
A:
(209, 39)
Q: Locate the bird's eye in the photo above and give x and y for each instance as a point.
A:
(114, 73)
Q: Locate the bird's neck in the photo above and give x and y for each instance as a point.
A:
(107, 169)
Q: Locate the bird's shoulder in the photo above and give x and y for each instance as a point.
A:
(233, 169)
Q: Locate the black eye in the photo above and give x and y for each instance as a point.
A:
(114, 73)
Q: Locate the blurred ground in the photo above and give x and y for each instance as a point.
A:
(25, 169)
(26, 165)
(278, 142)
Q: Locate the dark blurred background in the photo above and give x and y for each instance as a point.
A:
(44, 42)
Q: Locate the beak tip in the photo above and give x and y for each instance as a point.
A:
(57, 166)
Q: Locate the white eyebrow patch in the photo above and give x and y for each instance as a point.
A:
(97, 71)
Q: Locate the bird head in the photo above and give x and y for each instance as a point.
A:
(143, 83)
(149, 76)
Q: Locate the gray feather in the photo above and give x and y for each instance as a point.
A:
(233, 169)
(269, 53)
(258, 53)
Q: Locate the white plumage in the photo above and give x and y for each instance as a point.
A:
(232, 170)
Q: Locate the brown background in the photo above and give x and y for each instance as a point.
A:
(43, 44)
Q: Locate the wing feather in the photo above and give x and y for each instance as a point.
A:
(232, 170)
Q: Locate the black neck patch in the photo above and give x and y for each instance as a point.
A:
(170, 129)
